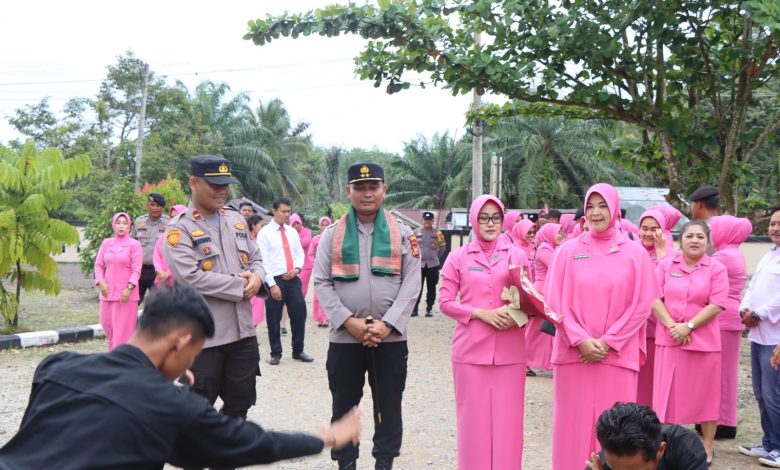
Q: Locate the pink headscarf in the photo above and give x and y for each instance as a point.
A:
(324, 217)
(510, 218)
(671, 217)
(659, 218)
(628, 227)
(567, 224)
(611, 235)
(295, 218)
(727, 230)
(548, 234)
(113, 224)
(476, 206)
(520, 230)
(180, 209)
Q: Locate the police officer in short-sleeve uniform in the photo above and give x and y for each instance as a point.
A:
(432, 246)
(357, 348)
(209, 248)
(147, 229)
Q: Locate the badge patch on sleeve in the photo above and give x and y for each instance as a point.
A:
(244, 258)
(415, 246)
(239, 226)
(440, 238)
(207, 265)
(173, 237)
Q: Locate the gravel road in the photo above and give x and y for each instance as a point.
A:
(295, 396)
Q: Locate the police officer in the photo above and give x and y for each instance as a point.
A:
(146, 230)
(368, 264)
(704, 203)
(209, 248)
(432, 246)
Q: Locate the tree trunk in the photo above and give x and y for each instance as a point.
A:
(15, 321)
(675, 186)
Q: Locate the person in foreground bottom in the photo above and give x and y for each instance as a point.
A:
(94, 411)
(631, 437)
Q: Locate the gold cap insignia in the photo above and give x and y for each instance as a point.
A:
(207, 265)
(224, 168)
(365, 172)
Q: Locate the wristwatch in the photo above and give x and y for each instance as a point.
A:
(755, 316)
(690, 325)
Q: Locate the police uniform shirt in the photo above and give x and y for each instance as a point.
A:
(146, 231)
(387, 298)
(117, 411)
(210, 260)
(684, 450)
(432, 246)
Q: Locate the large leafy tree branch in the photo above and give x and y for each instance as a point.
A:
(683, 71)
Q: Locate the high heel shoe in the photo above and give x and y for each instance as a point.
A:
(710, 458)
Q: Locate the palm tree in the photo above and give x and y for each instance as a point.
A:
(218, 114)
(552, 161)
(429, 173)
(263, 152)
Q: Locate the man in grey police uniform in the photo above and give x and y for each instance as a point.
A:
(209, 248)
(357, 347)
(147, 229)
(432, 246)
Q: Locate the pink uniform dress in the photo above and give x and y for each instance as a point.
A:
(538, 344)
(158, 260)
(644, 392)
(118, 263)
(510, 219)
(488, 365)
(603, 286)
(308, 263)
(686, 383)
(727, 233)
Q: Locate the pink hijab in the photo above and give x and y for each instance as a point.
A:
(325, 217)
(476, 206)
(113, 225)
(671, 217)
(519, 231)
(180, 209)
(659, 218)
(611, 235)
(510, 219)
(547, 235)
(567, 224)
(729, 231)
(295, 218)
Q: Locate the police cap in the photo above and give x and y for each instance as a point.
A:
(704, 192)
(365, 172)
(157, 198)
(214, 169)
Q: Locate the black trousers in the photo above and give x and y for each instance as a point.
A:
(292, 296)
(230, 372)
(386, 366)
(146, 281)
(430, 276)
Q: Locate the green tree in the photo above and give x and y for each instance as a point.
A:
(31, 185)
(684, 71)
(427, 174)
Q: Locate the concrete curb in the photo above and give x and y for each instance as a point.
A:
(43, 338)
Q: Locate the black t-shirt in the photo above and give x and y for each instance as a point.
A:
(684, 450)
(118, 411)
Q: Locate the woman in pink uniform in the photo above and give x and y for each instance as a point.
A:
(567, 225)
(488, 348)
(671, 217)
(651, 235)
(522, 236)
(538, 344)
(164, 276)
(603, 286)
(117, 269)
(686, 383)
(254, 224)
(727, 233)
(305, 235)
(510, 219)
(317, 314)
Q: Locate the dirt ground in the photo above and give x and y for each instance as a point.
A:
(295, 396)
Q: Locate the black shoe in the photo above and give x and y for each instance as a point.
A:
(726, 432)
(697, 427)
(428, 313)
(414, 313)
(284, 331)
(347, 465)
(274, 361)
(303, 357)
(529, 372)
(384, 463)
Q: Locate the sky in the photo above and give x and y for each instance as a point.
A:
(61, 50)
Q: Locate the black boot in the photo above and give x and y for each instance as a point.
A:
(347, 465)
(384, 463)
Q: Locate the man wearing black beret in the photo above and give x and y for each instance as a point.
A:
(704, 203)
(147, 229)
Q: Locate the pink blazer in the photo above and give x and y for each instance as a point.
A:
(305, 235)
(479, 281)
(688, 290)
(118, 262)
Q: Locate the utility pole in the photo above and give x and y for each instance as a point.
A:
(477, 129)
(139, 143)
(496, 173)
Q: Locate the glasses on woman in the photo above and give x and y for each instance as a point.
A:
(485, 219)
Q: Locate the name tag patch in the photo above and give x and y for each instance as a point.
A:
(676, 275)
(582, 256)
(200, 241)
(476, 268)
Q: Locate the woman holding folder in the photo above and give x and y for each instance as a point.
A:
(488, 348)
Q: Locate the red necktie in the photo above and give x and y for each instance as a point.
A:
(287, 253)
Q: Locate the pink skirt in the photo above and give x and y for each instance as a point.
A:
(538, 345)
(118, 321)
(258, 310)
(490, 401)
(581, 393)
(686, 385)
(305, 276)
(644, 390)
(730, 342)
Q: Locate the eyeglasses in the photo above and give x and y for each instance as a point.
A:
(484, 219)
